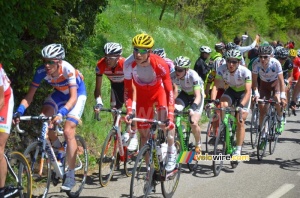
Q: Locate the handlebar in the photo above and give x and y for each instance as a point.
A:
(151, 121)
(115, 111)
(230, 109)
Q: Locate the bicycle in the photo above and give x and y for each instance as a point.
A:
(114, 151)
(270, 128)
(41, 155)
(183, 132)
(145, 176)
(18, 179)
(225, 143)
(254, 128)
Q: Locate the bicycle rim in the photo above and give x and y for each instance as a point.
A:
(130, 159)
(168, 187)
(262, 142)
(254, 128)
(81, 167)
(40, 169)
(219, 148)
(108, 159)
(141, 179)
(19, 168)
(273, 138)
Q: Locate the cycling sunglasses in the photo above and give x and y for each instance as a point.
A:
(49, 62)
(264, 57)
(141, 51)
(232, 61)
(111, 57)
(179, 70)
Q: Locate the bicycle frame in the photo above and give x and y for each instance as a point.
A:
(230, 123)
(182, 118)
(15, 176)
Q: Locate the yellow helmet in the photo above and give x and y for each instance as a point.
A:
(293, 53)
(143, 41)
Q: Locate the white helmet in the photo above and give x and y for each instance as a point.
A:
(183, 62)
(113, 48)
(160, 52)
(53, 51)
(298, 52)
(205, 49)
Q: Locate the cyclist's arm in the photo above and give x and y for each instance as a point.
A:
(296, 91)
(254, 81)
(170, 94)
(281, 82)
(214, 91)
(128, 95)
(175, 89)
(1, 96)
(97, 92)
(197, 94)
(73, 98)
(247, 95)
(29, 97)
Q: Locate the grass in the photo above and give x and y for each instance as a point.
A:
(120, 22)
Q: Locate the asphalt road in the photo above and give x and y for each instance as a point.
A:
(277, 175)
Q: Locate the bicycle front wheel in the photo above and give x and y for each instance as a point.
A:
(168, 187)
(219, 149)
(130, 158)
(19, 175)
(273, 137)
(108, 158)
(263, 141)
(40, 169)
(210, 138)
(254, 127)
(81, 167)
(142, 174)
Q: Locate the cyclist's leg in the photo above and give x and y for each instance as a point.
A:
(3, 165)
(265, 92)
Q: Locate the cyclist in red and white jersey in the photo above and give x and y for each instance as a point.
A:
(151, 77)
(296, 74)
(6, 111)
(67, 99)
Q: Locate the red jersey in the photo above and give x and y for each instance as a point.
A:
(115, 75)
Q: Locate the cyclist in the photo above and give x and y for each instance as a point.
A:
(6, 111)
(271, 80)
(162, 53)
(232, 45)
(296, 74)
(238, 79)
(191, 94)
(112, 66)
(67, 99)
(200, 66)
(151, 76)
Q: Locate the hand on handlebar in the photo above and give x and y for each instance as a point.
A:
(16, 118)
(98, 107)
(128, 118)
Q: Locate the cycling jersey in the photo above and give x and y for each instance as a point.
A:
(286, 68)
(270, 73)
(170, 64)
(116, 77)
(201, 68)
(237, 81)
(296, 68)
(153, 85)
(6, 111)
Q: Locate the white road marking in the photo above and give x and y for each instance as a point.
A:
(281, 190)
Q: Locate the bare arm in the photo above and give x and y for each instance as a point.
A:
(247, 95)
(29, 97)
(1, 97)
(214, 91)
(97, 92)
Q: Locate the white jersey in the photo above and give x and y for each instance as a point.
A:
(4, 80)
(189, 83)
(236, 81)
(270, 73)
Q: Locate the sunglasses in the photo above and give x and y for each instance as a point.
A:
(141, 51)
(264, 57)
(110, 57)
(179, 70)
(232, 61)
(49, 62)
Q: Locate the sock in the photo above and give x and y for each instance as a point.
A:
(71, 173)
(239, 148)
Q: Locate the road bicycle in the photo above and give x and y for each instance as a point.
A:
(149, 168)
(183, 132)
(225, 143)
(254, 127)
(114, 151)
(18, 181)
(269, 130)
(44, 165)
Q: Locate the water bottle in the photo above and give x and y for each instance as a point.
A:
(164, 150)
(125, 137)
(158, 151)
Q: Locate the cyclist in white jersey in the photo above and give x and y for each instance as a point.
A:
(191, 94)
(271, 80)
(238, 78)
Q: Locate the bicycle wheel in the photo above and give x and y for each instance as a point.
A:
(191, 147)
(18, 167)
(168, 187)
(142, 174)
(219, 149)
(81, 167)
(108, 158)
(254, 127)
(209, 143)
(40, 169)
(130, 158)
(273, 137)
(262, 141)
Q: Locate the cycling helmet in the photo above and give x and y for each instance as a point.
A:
(293, 53)
(113, 48)
(182, 61)
(265, 50)
(230, 46)
(219, 46)
(160, 52)
(143, 41)
(277, 49)
(282, 53)
(205, 49)
(233, 53)
(298, 52)
(53, 51)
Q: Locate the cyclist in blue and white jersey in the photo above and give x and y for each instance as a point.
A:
(238, 78)
(67, 99)
(191, 94)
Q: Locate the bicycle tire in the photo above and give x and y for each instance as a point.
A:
(209, 148)
(193, 165)
(219, 148)
(273, 136)
(81, 167)
(108, 158)
(169, 186)
(142, 175)
(41, 182)
(261, 150)
(254, 127)
(130, 157)
(289, 99)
